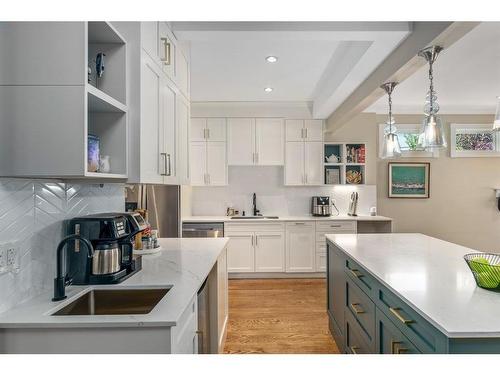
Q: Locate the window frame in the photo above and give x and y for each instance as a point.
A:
(405, 154)
(454, 153)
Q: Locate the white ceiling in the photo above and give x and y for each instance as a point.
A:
(466, 77)
(319, 62)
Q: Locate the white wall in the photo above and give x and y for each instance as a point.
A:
(273, 198)
(32, 214)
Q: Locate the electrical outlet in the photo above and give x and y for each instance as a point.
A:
(3, 259)
(12, 257)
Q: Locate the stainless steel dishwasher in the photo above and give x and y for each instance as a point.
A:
(202, 230)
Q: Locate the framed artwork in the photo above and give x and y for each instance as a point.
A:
(409, 180)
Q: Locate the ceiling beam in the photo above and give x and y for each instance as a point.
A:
(398, 66)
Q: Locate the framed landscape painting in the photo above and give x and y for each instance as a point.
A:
(409, 180)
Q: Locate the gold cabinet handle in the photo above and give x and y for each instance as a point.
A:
(356, 273)
(354, 349)
(399, 350)
(397, 314)
(356, 309)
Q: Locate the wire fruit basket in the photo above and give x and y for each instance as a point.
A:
(486, 269)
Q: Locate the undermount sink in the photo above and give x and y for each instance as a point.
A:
(253, 217)
(115, 302)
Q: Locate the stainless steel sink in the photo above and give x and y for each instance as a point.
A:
(115, 302)
(253, 217)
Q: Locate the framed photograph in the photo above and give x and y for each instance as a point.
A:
(409, 180)
(93, 153)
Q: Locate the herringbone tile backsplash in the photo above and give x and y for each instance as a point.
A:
(32, 214)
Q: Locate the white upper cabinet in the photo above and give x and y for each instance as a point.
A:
(216, 130)
(313, 163)
(150, 38)
(313, 130)
(182, 72)
(167, 50)
(216, 163)
(198, 129)
(294, 130)
(294, 163)
(269, 141)
(255, 141)
(169, 136)
(183, 157)
(241, 141)
(208, 162)
(159, 130)
(198, 156)
(150, 162)
(304, 152)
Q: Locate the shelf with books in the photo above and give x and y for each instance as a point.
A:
(344, 163)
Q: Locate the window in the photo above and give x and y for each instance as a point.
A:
(408, 141)
(469, 140)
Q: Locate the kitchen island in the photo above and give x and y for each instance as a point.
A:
(407, 293)
(182, 267)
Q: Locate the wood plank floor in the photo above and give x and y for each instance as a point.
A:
(278, 316)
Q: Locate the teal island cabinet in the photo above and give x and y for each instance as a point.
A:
(407, 294)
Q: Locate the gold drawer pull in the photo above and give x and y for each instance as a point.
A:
(397, 314)
(399, 350)
(356, 309)
(356, 273)
(354, 349)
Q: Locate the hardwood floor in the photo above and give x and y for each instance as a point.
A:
(278, 316)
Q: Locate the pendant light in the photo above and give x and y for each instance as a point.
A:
(390, 148)
(432, 132)
(496, 123)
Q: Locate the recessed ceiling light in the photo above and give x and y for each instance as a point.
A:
(271, 59)
(268, 89)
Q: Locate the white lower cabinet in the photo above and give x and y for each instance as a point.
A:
(300, 247)
(277, 247)
(269, 252)
(241, 252)
(184, 337)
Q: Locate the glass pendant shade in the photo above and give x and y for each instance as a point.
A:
(432, 133)
(496, 123)
(391, 147)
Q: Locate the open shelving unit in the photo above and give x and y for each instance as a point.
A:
(344, 163)
(106, 98)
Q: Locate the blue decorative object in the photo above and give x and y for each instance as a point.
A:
(93, 153)
(99, 64)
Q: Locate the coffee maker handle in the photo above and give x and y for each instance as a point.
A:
(127, 246)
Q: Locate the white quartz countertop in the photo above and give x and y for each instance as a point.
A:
(431, 276)
(201, 219)
(183, 264)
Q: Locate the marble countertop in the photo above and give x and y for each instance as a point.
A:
(200, 219)
(431, 276)
(183, 265)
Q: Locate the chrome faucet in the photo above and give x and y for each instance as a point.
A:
(256, 212)
(61, 281)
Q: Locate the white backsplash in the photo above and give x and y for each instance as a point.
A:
(32, 214)
(273, 198)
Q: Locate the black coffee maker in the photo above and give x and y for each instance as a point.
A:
(112, 237)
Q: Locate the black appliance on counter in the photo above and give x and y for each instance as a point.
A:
(320, 206)
(112, 237)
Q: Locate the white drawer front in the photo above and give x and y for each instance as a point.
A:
(321, 247)
(326, 227)
(253, 227)
(300, 224)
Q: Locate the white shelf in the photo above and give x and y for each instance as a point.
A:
(99, 101)
(355, 164)
(105, 175)
(333, 164)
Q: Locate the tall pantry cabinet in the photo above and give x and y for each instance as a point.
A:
(159, 104)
